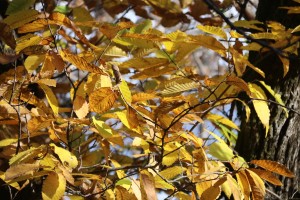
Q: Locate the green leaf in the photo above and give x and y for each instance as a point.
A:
(18, 5)
(276, 96)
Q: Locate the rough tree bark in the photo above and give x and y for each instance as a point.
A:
(283, 141)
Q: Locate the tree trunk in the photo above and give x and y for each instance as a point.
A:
(282, 143)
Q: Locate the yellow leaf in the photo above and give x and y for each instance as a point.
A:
(213, 30)
(80, 107)
(261, 106)
(101, 100)
(257, 185)
(267, 175)
(51, 98)
(221, 151)
(222, 120)
(203, 186)
(285, 64)
(243, 184)
(209, 42)
(125, 92)
(240, 63)
(80, 62)
(36, 25)
(54, 186)
(27, 41)
(172, 172)
(65, 156)
(236, 81)
(123, 116)
(103, 129)
(274, 167)
(143, 96)
(48, 82)
(7, 142)
(277, 97)
(211, 193)
(33, 61)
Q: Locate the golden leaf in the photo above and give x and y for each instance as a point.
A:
(267, 175)
(277, 97)
(48, 82)
(236, 81)
(240, 63)
(27, 41)
(21, 170)
(37, 25)
(33, 61)
(285, 64)
(222, 120)
(211, 193)
(243, 183)
(54, 186)
(213, 30)
(51, 98)
(260, 105)
(7, 142)
(172, 172)
(143, 96)
(203, 186)
(66, 157)
(257, 185)
(274, 167)
(80, 63)
(81, 107)
(125, 92)
(101, 100)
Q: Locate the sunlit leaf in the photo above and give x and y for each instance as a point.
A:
(80, 63)
(81, 107)
(267, 175)
(66, 157)
(257, 185)
(260, 105)
(21, 170)
(101, 100)
(125, 92)
(277, 97)
(172, 172)
(213, 30)
(54, 186)
(274, 167)
(52, 100)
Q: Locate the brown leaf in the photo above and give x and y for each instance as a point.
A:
(147, 186)
(21, 170)
(6, 35)
(257, 185)
(102, 100)
(274, 167)
(267, 175)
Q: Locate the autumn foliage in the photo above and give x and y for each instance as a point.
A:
(117, 110)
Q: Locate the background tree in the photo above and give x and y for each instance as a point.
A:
(282, 143)
(135, 99)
